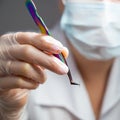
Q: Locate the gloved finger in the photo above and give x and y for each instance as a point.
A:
(12, 82)
(48, 43)
(41, 42)
(23, 69)
(32, 55)
(65, 52)
(7, 42)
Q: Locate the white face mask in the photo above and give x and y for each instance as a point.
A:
(93, 29)
(80, 1)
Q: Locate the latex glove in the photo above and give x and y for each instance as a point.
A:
(23, 60)
(23, 57)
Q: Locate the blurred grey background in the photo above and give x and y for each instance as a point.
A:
(15, 17)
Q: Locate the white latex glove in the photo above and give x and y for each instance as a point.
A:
(23, 57)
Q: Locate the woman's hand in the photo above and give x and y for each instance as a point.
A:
(24, 56)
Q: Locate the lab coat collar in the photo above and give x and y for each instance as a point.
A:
(112, 95)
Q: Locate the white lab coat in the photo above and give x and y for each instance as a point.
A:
(58, 100)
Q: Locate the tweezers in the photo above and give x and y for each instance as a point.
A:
(43, 28)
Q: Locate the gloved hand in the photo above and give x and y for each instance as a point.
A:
(24, 56)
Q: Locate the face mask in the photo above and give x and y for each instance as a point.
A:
(93, 29)
(79, 1)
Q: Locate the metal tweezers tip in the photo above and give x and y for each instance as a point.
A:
(72, 83)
